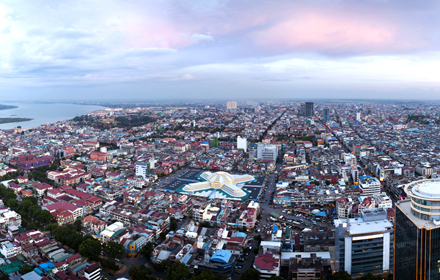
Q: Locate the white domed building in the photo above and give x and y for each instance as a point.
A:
(425, 199)
(219, 185)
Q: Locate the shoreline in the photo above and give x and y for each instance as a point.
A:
(14, 120)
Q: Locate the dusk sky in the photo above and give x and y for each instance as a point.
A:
(191, 49)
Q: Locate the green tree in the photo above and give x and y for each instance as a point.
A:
(250, 274)
(205, 275)
(90, 248)
(146, 250)
(341, 275)
(26, 269)
(136, 273)
(114, 249)
(273, 277)
(370, 276)
(78, 225)
(173, 224)
(178, 271)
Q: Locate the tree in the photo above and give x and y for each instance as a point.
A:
(273, 277)
(370, 276)
(114, 249)
(205, 275)
(178, 271)
(250, 274)
(146, 250)
(173, 224)
(341, 275)
(90, 248)
(26, 269)
(77, 225)
(136, 273)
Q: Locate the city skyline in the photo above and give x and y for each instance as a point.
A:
(190, 50)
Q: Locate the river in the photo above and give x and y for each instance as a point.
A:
(43, 113)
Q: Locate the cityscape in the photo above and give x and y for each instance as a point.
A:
(224, 190)
(219, 140)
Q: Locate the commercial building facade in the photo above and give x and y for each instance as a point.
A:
(365, 244)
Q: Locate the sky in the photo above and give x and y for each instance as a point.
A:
(208, 49)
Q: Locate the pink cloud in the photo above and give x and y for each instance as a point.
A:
(324, 31)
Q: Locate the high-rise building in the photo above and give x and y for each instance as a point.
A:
(242, 144)
(417, 232)
(326, 114)
(358, 116)
(365, 244)
(302, 109)
(310, 111)
(231, 105)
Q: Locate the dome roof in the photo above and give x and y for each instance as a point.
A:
(219, 179)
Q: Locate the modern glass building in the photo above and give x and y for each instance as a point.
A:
(417, 232)
(365, 244)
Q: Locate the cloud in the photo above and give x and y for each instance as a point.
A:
(201, 37)
(187, 77)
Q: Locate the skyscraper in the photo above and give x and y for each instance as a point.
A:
(310, 111)
(302, 109)
(326, 114)
(417, 232)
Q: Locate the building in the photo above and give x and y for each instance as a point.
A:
(417, 235)
(424, 169)
(358, 116)
(369, 185)
(219, 185)
(231, 105)
(365, 244)
(99, 156)
(306, 268)
(309, 109)
(143, 168)
(221, 262)
(93, 271)
(268, 262)
(242, 144)
(9, 250)
(264, 151)
(326, 114)
(29, 162)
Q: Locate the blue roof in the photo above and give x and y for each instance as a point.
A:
(221, 256)
(241, 234)
(275, 228)
(321, 214)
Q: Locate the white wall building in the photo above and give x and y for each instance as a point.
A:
(9, 250)
(369, 186)
(242, 143)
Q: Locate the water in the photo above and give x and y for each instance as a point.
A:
(43, 113)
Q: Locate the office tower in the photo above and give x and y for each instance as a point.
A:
(326, 114)
(310, 111)
(417, 234)
(242, 144)
(231, 105)
(358, 116)
(302, 109)
(365, 244)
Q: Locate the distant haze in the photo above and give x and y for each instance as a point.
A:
(167, 50)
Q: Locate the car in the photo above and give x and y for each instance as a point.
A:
(111, 274)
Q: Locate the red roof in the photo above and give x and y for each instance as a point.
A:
(266, 262)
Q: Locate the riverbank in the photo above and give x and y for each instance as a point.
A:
(6, 107)
(14, 120)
